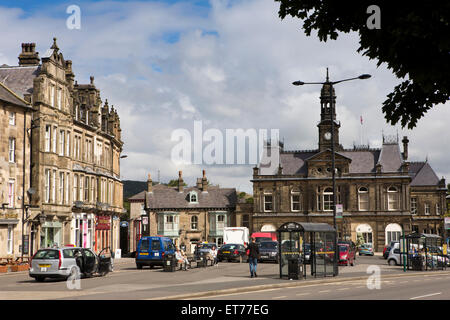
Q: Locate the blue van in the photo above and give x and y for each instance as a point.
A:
(151, 251)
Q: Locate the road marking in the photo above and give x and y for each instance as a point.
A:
(233, 294)
(323, 291)
(302, 294)
(281, 297)
(343, 289)
(427, 295)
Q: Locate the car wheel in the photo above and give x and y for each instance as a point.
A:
(39, 279)
(360, 253)
(139, 266)
(392, 262)
(152, 266)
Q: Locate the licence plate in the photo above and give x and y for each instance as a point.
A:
(44, 265)
(143, 254)
(264, 256)
(226, 252)
(156, 254)
(43, 269)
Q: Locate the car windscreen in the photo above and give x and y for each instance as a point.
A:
(156, 245)
(268, 245)
(168, 245)
(261, 239)
(47, 254)
(68, 253)
(343, 248)
(145, 244)
(230, 247)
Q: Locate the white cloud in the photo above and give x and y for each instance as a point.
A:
(232, 67)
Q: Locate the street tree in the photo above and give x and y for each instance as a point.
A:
(410, 37)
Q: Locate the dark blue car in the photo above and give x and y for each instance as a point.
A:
(151, 251)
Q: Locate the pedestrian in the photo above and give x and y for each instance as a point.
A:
(253, 255)
(214, 255)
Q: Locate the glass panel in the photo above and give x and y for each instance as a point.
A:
(285, 248)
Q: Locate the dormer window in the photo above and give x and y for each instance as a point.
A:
(193, 197)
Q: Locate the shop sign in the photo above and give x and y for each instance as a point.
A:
(9, 216)
(339, 210)
(447, 223)
(103, 223)
(144, 220)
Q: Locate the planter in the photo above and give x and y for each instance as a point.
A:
(3, 269)
(13, 268)
(23, 267)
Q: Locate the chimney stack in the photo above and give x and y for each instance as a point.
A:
(204, 182)
(180, 181)
(149, 184)
(199, 183)
(405, 148)
(29, 56)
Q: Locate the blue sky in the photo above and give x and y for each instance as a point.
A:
(228, 63)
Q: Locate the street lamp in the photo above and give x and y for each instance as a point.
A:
(333, 169)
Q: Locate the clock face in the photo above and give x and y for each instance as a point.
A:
(327, 135)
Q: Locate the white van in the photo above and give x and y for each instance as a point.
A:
(235, 235)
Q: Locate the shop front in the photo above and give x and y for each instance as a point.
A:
(83, 229)
(102, 232)
(51, 234)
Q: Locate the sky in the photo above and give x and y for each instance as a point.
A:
(227, 63)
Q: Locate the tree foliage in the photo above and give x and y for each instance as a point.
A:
(413, 42)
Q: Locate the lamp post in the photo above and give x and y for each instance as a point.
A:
(333, 169)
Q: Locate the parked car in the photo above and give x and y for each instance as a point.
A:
(203, 248)
(346, 254)
(387, 249)
(351, 244)
(366, 249)
(151, 251)
(268, 251)
(69, 261)
(264, 236)
(394, 255)
(232, 252)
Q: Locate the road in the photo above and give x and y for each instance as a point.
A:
(126, 283)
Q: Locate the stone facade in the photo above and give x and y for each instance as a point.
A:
(15, 118)
(184, 214)
(376, 187)
(75, 153)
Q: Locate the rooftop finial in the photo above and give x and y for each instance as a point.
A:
(327, 76)
(54, 46)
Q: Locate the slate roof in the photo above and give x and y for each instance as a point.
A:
(19, 79)
(422, 174)
(164, 197)
(294, 162)
(390, 158)
(8, 96)
(363, 161)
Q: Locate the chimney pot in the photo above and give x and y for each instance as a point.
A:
(149, 184)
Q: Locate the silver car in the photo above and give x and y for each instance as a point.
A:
(68, 261)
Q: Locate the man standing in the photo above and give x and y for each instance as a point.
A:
(253, 255)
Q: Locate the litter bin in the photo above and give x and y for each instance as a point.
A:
(294, 265)
(169, 263)
(417, 263)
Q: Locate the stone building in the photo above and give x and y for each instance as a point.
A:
(75, 152)
(15, 119)
(382, 192)
(184, 214)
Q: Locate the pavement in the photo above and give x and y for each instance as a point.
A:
(127, 282)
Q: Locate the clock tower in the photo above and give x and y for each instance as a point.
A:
(327, 114)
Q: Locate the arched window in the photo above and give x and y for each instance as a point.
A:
(328, 199)
(193, 197)
(363, 199)
(393, 199)
(295, 200)
(194, 222)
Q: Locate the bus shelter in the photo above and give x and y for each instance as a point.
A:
(300, 243)
(423, 252)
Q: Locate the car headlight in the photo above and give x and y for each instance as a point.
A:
(273, 253)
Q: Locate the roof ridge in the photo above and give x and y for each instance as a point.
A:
(14, 94)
